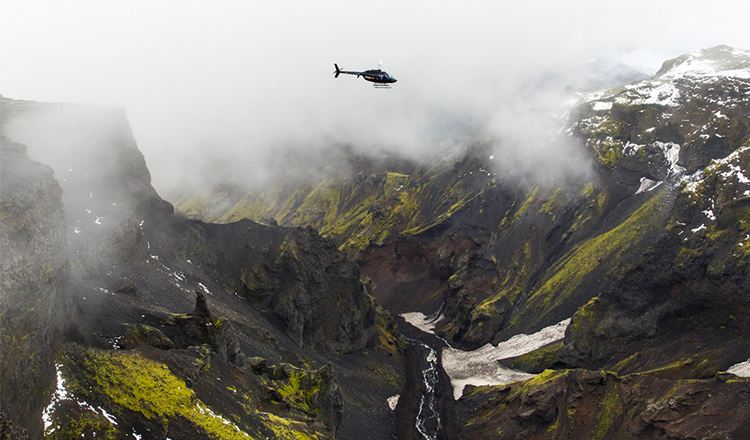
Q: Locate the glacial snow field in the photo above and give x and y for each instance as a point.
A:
(741, 369)
(480, 366)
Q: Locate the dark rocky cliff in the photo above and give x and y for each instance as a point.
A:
(100, 280)
(33, 283)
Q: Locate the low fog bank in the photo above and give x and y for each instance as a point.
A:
(244, 92)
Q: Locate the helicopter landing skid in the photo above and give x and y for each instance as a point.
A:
(381, 86)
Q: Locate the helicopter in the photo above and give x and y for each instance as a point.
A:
(378, 77)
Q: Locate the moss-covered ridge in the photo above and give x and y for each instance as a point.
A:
(687, 286)
(576, 275)
(144, 396)
(603, 405)
(132, 386)
(355, 212)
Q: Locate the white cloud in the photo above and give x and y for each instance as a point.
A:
(236, 79)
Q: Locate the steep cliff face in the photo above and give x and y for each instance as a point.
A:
(603, 405)
(674, 317)
(692, 278)
(34, 279)
(273, 348)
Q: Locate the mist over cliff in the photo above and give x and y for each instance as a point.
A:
(226, 88)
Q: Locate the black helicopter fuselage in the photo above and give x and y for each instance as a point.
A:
(376, 76)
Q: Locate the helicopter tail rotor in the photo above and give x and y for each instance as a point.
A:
(337, 72)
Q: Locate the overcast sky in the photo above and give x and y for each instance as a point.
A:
(236, 79)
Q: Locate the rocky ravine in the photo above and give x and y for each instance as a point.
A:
(121, 318)
(648, 257)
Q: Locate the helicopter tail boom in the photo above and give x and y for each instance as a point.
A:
(338, 72)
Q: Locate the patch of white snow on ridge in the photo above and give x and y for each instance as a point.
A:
(709, 213)
(61, 393)
(742, 369)
(523, 343)
(600, 94)
(646, 185)
(720, 61)
(671, 153)
(393, 401)
(480, 367)
(110, 418)
(209, 412)
(205, 289)
(699, 228)
(422, 321)
(658, 93)
(602, 106)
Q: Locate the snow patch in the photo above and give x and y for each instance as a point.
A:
(646, 185)
(709, 214)
(393, 401)
(115, 342)
(742, 369)
(205, 289)
(691, 181)
(207, 411)
(61, 393)
(671, 153)
(523, 343)
(601, 106)
(736, 171)
(721, 62)
(110, 418)
(480, 367)
(422, 321)
(651, 93)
